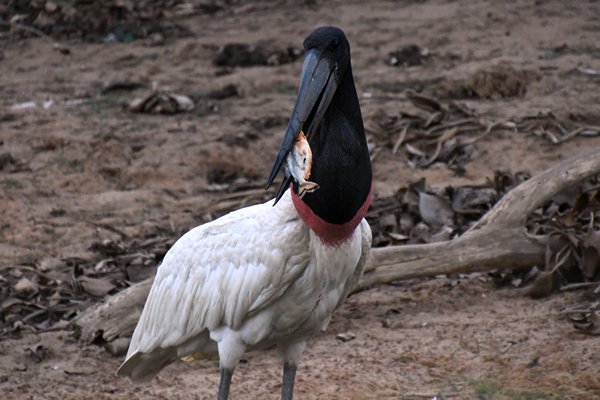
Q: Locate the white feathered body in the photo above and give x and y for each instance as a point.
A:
(250, 279)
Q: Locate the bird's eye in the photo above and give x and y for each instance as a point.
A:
(335, 43)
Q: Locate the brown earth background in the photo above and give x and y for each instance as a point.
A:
(84, 181)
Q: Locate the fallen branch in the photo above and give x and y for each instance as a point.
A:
(498, 240)
(485, 251)
(117, 316)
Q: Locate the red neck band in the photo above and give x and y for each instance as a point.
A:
(330, 234)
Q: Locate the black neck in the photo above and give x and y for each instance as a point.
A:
(341, 163)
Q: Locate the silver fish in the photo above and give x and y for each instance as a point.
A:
(299, 163)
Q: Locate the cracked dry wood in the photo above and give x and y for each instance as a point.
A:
(498, 240)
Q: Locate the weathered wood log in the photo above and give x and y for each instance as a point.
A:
(498, 240)
(485, 251)
(115, 317)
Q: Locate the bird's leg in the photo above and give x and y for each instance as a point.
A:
(289, 376)
(226, 375)
(292, 352)
(231, 349)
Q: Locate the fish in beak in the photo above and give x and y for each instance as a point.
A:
(298, 165)
(318, 82)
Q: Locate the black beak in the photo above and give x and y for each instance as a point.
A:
(318, 82)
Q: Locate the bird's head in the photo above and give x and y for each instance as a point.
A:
(326, 61)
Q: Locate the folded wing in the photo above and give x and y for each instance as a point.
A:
(219, 274)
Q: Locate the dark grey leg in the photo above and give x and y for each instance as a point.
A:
(289, 376)
(226, 375)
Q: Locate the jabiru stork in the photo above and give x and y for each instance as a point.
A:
(271, 274)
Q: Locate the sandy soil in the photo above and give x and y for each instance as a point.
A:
(87, 171)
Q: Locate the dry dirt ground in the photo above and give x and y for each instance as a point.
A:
(86, 170)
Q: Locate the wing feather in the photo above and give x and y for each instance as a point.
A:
(221, 272)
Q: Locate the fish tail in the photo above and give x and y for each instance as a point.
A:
(307, 187)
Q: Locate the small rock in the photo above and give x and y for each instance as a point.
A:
(20, 367)
(50, 7)
(156, 39)
(50, 263)
(345, 337)
(6, 159)
(25, 287)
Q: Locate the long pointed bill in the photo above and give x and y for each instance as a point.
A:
(318, 82)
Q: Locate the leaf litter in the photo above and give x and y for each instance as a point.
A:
(46, 295)
(113, 20)
(431, 131)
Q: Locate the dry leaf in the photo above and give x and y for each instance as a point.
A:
(443, 235)
(591, 326)
(422, 232)
(542, 286)
(466, 198)
(397, 236)
(24, 287)
(424, 102)
(388, 222)
(414, 151)
(95, 286)
(36, 352)
(590, 262)
(50, 263)
(435, 211)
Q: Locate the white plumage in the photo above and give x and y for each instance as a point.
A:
(253, 278)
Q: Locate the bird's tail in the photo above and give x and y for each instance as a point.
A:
(142, 367)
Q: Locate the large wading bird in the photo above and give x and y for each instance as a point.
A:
(272, 274)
